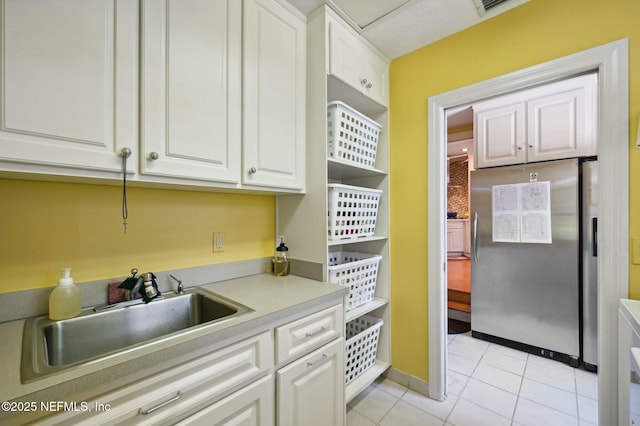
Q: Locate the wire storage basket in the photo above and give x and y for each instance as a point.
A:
(361, 346)
(352, 136)
(358, 271)
(353, 211)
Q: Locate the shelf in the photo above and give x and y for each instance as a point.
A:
(376, 303)
(365, 379)
(331, 243)
(341, 170)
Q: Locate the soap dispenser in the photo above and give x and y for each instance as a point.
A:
(280, 261)
(65, 301)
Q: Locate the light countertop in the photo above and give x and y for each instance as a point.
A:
(631, 309)
(272, 299)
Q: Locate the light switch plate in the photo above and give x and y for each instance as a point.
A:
(218, 242)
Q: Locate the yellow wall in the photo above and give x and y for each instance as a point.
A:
(535, 32)
(45, 226)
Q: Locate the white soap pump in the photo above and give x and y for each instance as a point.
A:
(65, 300)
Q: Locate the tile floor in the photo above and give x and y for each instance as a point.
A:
(490, 385)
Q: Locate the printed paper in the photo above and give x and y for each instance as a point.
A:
(521, 213)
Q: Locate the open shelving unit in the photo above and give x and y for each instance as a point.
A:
(303, 219)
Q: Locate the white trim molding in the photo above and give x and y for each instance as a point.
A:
(611, 61)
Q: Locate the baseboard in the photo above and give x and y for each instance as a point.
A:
(414, 383)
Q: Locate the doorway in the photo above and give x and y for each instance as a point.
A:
(611, 63)
(460, 159)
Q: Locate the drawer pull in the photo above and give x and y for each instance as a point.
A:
(311, 364)
(317, 332)
(162, 404)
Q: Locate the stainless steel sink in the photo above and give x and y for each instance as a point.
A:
(51, 346)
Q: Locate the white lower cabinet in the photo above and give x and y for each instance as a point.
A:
(455, 237)
(311, 389)
(240, 384)
(175, 394)
(251, 406)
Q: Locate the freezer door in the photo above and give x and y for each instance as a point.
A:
(589, 174)
(528, 292)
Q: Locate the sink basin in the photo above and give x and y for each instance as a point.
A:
(50, 346)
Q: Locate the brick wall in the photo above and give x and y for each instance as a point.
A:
(458, 197)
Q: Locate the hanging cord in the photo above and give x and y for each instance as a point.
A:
(126, 152)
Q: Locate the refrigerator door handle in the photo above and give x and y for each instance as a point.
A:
(475, 237)
(594, 235)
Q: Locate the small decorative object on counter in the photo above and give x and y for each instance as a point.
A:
(280, 261)
(65, 301)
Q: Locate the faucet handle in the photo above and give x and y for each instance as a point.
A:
(180, 289)
(134, 271)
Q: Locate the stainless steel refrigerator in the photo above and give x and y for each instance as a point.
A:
(533, 250)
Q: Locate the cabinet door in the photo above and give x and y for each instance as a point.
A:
(250, 406)
(191, 89)
(274, 124)
(455, 237)
(69, 85)
(311, 390)
(376, 74)
(354, 63)
(561, 120)
(499, 128)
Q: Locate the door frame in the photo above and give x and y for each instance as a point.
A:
(611, 61)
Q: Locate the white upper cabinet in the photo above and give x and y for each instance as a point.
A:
(69, 85)
(191, 86)
(554, 121)
(562, 120)
(199, 101)
(356, 64)
(500, 133)
(274, 124)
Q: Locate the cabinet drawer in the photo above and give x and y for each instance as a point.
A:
(308, 333)
(252, 405)
(179, 391)
(453, 224)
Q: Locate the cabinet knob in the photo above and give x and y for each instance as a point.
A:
(252, 170)
(369, 86)
(364, 81)
(153, 156)
(519, 148)
(125, 152)
(530, 146)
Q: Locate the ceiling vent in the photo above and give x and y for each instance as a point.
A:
(486, 6)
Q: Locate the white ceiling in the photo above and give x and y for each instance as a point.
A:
(397, 27)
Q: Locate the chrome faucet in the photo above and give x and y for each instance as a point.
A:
(150, 291)
(133, 285)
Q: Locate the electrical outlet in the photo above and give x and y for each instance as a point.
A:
(218, 242)
(635, 250)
